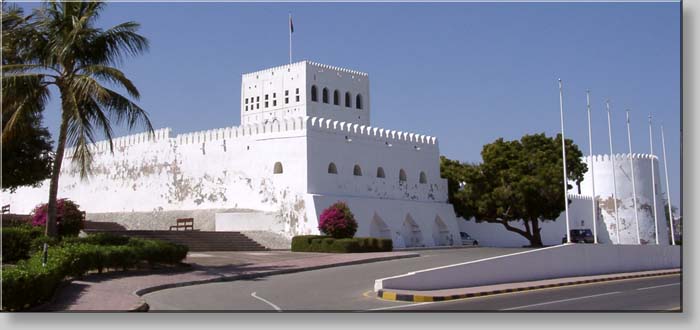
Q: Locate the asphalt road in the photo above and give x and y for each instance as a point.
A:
(349, 288)
(337, 288)
(662, 293)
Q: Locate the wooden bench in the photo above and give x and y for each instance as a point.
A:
(184, 224)
(6, 209)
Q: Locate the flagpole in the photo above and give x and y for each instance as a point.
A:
(290, 38)
(563, 152)
(653, 182)
(590, 151)
(668, 189)
(634, 189)
(612, 159)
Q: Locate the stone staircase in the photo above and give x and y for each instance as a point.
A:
(196, 240)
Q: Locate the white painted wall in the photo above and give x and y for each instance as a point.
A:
(271, 94)
(249, 221)
(546, 263)
(408, 223)
(623, 175)
(232, 167)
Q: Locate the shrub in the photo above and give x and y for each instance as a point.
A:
(15, 220)
(29, 283)
(69, 218)
(337, 221)
(17, 242)
(98, 239)
(315, 243)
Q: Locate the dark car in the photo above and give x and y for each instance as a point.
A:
(580, 236)
(467, 240)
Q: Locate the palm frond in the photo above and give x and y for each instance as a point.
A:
(116, 43)
(112, 75)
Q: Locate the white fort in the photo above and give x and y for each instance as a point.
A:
(304, 143)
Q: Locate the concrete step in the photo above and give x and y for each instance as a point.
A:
(195, 240)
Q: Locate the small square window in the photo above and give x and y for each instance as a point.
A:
(297, 98)
(246, 108)
(274, 95)
(274, 103)
(257, 106)
(257, 98)
(246, 100)
(286, 100)
(267, 96)
(266, 104)
(297, 90)
(286, 93)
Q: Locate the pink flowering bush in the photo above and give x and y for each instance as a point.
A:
(337, 221)
(69, 218)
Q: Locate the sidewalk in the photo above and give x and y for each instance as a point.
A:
(479, 291)
(121, 291)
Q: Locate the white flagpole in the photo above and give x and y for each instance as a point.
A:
(653, 182)
(668, 188)
(590, 151)
(634, 189)
(290, 37)
(563, 152)
(612, 159)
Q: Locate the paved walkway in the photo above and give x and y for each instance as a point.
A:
(121, 291)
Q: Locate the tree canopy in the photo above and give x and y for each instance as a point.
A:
(519, 184)
(60, 45)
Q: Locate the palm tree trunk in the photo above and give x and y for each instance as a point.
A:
(51, 227)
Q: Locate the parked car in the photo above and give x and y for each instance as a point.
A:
(467, 240)
(580, 236)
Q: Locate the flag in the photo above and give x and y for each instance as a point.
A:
(291, 25)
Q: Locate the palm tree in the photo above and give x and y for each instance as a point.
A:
(67, 51)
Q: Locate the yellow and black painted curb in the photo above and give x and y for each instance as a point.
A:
(389, 295)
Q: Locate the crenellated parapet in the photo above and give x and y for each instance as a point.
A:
(353, 129)
(160, 134)
(335, 68)
(301, 63)
(276, 126)
(273, 69)
(619, 157)
(580, 197)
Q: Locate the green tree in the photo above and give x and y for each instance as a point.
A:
(26, 159)
(66, 50)
(520, 183)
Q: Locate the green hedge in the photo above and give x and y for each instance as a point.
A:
(29, 283)
(17, 242)
(315, 243)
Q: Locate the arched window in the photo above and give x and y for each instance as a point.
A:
(325, 95)
(402, 175)
(422, 178)
(348, 100)
(336, 97)
(314, 93)
(357, 171)
(332, 169)
(358, 101)
(380, 172)
(278, 168)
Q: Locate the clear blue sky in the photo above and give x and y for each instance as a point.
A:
(467, 73)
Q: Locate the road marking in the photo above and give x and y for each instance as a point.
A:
(559, 301)
(266, 301)
(399, 306)
(658, 286)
